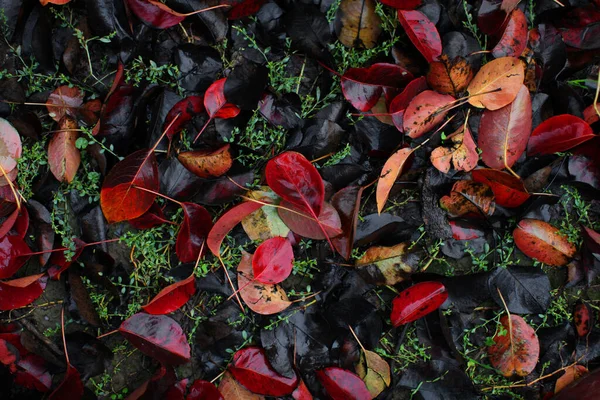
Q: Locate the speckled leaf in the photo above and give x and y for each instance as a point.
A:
(516, 347)
(396, 263)
(542, 241)
(497, 83)
(374, 371)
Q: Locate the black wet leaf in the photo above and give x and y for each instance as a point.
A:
(526, 290)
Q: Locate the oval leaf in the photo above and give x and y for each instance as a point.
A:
(450, 76)
(194, 229)
(514, 39)
(305, 226)
(422, 33)
(357, 24)
(509, 191)
(516, 347)
(207, 163)
(342, 384)
(391, 170)
(542, 241)
(273, 260)
(21, 292)
(172, 297)
(184, 111)
(425, 112)
(63, 156)
(417, 301)
(559, 133)
(400, 102)
(497, 83)
(10, 147)
(12, 255)
(583, 319)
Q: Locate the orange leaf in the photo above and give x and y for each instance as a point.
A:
(63, 157)
(391, 170)
(542, 241)
(571, 374)
(516, 347)
(497, 83)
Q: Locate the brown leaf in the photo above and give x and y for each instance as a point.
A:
(469, 197)
(516, 347)
(207, 163)
(463, 153)
(449, 76)
(357, 24)
(264, 223)
(392, 264)
(63, 157)
(374, 371)
(233, 390)
(497, 83)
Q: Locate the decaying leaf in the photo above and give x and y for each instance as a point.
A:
(375, 371)
(389, 265)
(497, 83)
(449, 76)
(516, 347)
(463, 153)
(357, 24)
(469, 197)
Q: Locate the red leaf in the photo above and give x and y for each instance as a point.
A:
(509, 191)
(33, 374)
(151, 218)
(273, 260)
(261, 298)
(70, 388)
(542, 241)
(203, 390)
(363, 87)
(231, 218)
(172, 297)
(21, 292)
(425, 111)
(469, 198)
(196, 225)
(251, 368)
(583, 319)
(64, 100)
(450, 76)
(177, 391)
(57, 2)
(297, 181)
(9, 354)
(402, 4)
(342, 384)
(398, 105)
(59, 263)
(347, 204)
(156, 386)
(215, 103)
(302, 392)
(516, 350)
(417, 301)
(184, 111)
(559, 133)
(10, 147)
(157, 336)
(462, 230)
(119, 199)
(391, 170)
(422, 33)
(244, 8)
(514, 39)
(305, 226)
(154, 13)
(11, 249)
(503, 133)
(63, 157)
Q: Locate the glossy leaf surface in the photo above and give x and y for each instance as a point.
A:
(21, 292)
(194, 229)
(341, 384)
(497, 83)
(417, 301)
(559, 133)
(509, 191)
(328, 225)
(393, 168)
(425, 112)
(227, 222)
(516, 349)
(422, 33)
(542, 241)
(273, 261)
(172, 297)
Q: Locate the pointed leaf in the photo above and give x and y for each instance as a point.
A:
(417, 301)
(172, 297)
(398, 105)
(63, 157)
(304, 225)
(157, 336)
(21, 292)
(227, 222)
(391, 170)
(251, 368)
(559, 133)
(342, 384)
(463, 154)
(425, 112)
(155, 13)
(526, 290)
(273, 260)
(514, 39)
(207, 163)
(194, 229)
(422, 33)
(347, 204)
(261, 298)
(184, 111)
(119, 199)
(509, 191)
(542, 241)
(497, 83)
(216, 104)
(58, 262)
(503, 133)
(516, 347)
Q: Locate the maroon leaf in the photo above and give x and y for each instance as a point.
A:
(177, 391)
(184, 111)
(33, 374)
(64, 100)
(119, 199)
(402, 4)
(203, 390)
(398, 105)
(584, 38)
(422, 33)
(273, 260)
(196, 225)
(157, 336)
(363, 87)
(328, 226)
(21, 292)
(251, 368)
(172, 297)
(230, 219)
(9, 354)
(347, 204)
(342, 384)
(154, 13)
(156, 386)
(243, 8)
(583, 319)
(503, 133)
(514, 39)
(151, 218)
(12, 250)
(559, 133)
(425, 111)
(509, 191)
(216, 104)
(71, 386)
(417, 301)
(59, 263)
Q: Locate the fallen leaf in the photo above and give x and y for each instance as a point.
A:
(374, 371)
(559, 133)
(509, 191)
(341, 384)
(425, 111)
(417, 301)
(395, 263)
(422, 33)
(497, 83)
(469, 197)
(233, 390)
(207, 163)
(273, 261)
(572, 373)
(63, 156)
(514, 39)
(516, 347)
(542, 241)
(172, 297)
(197, 223)
(357, 24)
(22, 291)
(392, 168)
(449, 76)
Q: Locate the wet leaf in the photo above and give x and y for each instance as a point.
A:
(194, 229)
(516, 347)
(341, 384)
(21, 292)
(509, 191)
(64, 100)
(559, 133)
(273, 261)
(583, 319)
(227, 222)
(391, 170)
(422, 33)
(425, 111)
(119, 197)
(265, 222)
(63, 156)
(12, 249)
(395, 264)
(357, 24)
(526, 290)
(203, 390)
(184, 111)
(10, 147)
(155, 13)
(244, 8)
(417, 301)
(374, 371)
(402, 4)
(32, 373)
(449, 76)
(571, 374)
(305, 226)
(503, 133)
(497, 83)
(71, 386)
(251, 368)
(514, 39)
(207, 163)
(542, 241)
(363, 87)
(216, 104)
(347, 204)
(172, 297)
(265, 299)
(469, 197)
(157, 336)
(233, 390)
